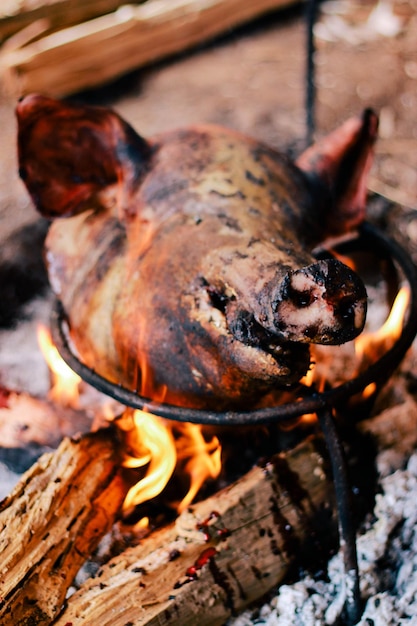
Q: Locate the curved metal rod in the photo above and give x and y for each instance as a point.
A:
(380, 371)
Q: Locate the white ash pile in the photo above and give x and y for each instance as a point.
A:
(387, 555)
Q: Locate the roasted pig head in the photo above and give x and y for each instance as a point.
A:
(184, 261)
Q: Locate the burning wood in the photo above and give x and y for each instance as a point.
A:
(227, 550)
(267, 513)
(197, 245)
(52, 522)
(220, 554)
(61, 62)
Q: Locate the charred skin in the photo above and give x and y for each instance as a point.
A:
(188, 275)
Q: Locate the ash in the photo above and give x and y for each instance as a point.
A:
(387, 555)
(20, 355)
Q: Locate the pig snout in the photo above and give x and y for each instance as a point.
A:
(322, 303)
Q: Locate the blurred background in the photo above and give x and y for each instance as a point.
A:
(168, 63)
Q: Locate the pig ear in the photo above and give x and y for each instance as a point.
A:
(69, 153)
(341, 161)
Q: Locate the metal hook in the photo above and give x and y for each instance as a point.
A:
(310, 96)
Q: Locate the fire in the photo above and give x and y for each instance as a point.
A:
(150, 442)
(159, 449)
(65, 382)
(203, 460)
(373, 345)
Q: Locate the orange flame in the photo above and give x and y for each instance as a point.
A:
(313, 376)
(204, 460)
(375, 344)
(161, 447)
(150, 441)
(65, 382)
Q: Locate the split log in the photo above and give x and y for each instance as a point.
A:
(220, 555)
(14, 16)
(26, 420)
(395, 435)
(99, 50)
(53, 521)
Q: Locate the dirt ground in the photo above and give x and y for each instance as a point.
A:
(253, 80)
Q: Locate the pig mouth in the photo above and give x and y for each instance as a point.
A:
(292, 358)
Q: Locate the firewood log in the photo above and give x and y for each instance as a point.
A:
(99, 50)
(221, 554)
(231, 549)
(52, 522)
(26, 420)
(17, 15)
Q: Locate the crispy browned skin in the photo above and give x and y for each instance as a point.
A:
(184, 262)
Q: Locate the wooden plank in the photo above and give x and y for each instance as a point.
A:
(269, 514)
(99, 50)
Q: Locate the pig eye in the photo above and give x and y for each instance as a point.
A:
(218, 299)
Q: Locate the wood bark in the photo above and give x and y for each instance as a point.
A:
(52, 522)
(99, 50)
(220, 555)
